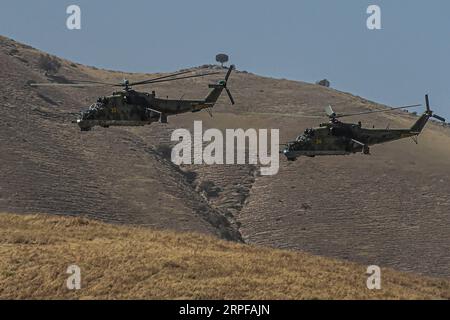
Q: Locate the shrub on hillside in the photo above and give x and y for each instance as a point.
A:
(164, 150)
(324, 83)
(209, 188)
(49, 63)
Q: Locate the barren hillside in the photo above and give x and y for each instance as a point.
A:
(49, 166)
(391, 208)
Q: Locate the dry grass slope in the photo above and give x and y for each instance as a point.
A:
(120, 262)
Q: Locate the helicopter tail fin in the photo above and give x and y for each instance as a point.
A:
(218, 88)
(420, 123)
(423, 120)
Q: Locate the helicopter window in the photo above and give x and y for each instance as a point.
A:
(100, 102)
(302, 138)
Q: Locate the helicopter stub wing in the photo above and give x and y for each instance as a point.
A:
(359, 143)
(156, 115)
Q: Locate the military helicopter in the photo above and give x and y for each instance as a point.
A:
(339, 138)
(132, 108)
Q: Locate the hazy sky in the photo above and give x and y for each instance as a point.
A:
(301, 39)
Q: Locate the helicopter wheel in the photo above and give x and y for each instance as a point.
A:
(291, 159)
(366, 150)
(163, 118)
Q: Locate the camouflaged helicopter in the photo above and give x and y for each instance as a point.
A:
(338, 138)
(132, 108)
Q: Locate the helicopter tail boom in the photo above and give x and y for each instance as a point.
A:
(420, 124)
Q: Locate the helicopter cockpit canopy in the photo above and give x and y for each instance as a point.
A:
(306, 136)
(102, 100)
(97, 106)
(309, 132)
(92, 110)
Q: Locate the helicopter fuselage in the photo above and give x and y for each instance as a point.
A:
(132, 108)
(337, 138)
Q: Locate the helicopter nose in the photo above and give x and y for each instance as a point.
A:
(291, 156)
(84, 126)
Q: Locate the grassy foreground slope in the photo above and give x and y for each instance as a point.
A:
(124, 262)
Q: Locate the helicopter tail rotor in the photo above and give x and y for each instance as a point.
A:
(230, 96)
(225, 84)
(222, 84)
(422, 121)
(430, 112)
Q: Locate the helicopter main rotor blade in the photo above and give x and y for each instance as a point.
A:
(76, 81)
(330, 112)
(376, 111)
(175, 79)
(170, 76)
(76, 85)
(90, 83)
(308, 117)
(159, 78)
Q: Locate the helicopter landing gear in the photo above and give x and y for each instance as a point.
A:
(163, 118)
(366, 150)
